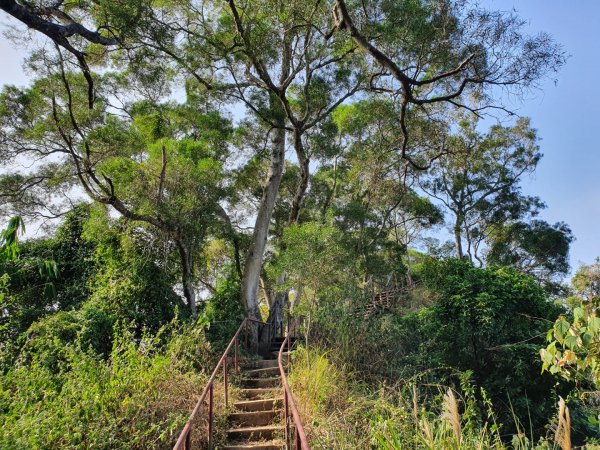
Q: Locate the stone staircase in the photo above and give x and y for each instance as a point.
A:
(257, 420)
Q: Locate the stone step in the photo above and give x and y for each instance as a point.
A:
(263, 404)
(281, 339)
(265, 445)
(257, 393)
(275, 348)
(262, 364)
(261, 382)
(256, 433)
(254, 418)
(267, 372)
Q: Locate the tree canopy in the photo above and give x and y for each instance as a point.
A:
(353, 165)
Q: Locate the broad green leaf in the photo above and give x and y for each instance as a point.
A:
(561, 327)
(594, 324)
(571, 342)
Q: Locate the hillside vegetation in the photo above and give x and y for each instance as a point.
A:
(350, 168)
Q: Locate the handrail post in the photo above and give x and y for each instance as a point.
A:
(225, 380)
(235, 355)
(210, 416)
(188, 441)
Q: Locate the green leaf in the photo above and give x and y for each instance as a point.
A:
(561, 327)
(587, 338)
(571, 342)
(594, 324)
(546, 357)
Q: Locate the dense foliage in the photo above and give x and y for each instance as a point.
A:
(574, 338)
(61, 395)
(196, 162)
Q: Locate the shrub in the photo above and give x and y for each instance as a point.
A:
(223, 311)
(341, 413)
(138, 398)
(490, 322)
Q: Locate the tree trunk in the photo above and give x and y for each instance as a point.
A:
(187, 278)
(254, 258)
(276, 311)
(331, 194)
(304, 162)
(458, 238)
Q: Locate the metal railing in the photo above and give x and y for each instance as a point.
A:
(185, 440)
(301, 443)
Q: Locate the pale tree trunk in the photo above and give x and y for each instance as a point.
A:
(276, 312)
(304, 162)
(254, 258)
(295, 321)
(458, 242)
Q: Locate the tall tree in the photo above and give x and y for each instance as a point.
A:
(478, 181)
(536, 248)
(292, 63)
(156, 164)
(444, 54)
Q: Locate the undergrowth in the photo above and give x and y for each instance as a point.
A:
(340, 412)
(138, 397)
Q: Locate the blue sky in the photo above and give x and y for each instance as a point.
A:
(566, 115)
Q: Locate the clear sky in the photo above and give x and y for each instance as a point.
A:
(566, 115)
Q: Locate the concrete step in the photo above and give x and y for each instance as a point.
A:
(261, 382)
(267, 372)
(263, 404)
(266, 432)
(254, 418)
(281, 339)
(277, 346)
(258, 393)
(262, 364)
(265, 445)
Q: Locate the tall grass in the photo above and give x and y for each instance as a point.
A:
(341, 413)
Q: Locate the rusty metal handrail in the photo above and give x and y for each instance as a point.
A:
(289, 403)
(184, 441)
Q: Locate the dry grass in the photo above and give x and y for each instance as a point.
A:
(562, 435)
(341, 415)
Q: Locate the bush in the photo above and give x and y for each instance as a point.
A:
(48, 339)
(491, 322)
(488, 322)
(139, 398)
(341, 413)
(223, 311)
(132, 288)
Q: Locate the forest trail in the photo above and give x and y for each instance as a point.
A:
(258, 421)
(263, 413)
